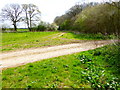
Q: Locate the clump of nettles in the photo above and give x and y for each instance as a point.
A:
(96, 76)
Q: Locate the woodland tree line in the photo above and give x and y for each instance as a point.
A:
(91, 18)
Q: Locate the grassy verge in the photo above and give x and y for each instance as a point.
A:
(15, 41)
(83, 36)
(97, 68)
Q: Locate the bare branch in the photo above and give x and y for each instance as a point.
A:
(31, 11)
(12, 12)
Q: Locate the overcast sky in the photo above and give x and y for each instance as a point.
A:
(49, 8)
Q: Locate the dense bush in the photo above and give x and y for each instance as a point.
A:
(66, 25)
(99, 18)
(69, 16)
(45, 27)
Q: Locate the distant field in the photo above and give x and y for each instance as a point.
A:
(18, 30)
(97, 68)
(22, 30)
(22, 40)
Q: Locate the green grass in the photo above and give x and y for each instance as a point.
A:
(14, 41)
(0, 80)
(22, 40)
(94, 68)
(83, 36)
(22, 29)
(18, 30)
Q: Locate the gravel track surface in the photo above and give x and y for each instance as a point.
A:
(18, 58)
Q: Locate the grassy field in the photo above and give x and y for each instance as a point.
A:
(89, 69)
(14, 41)
(22, 30)
(22, 40)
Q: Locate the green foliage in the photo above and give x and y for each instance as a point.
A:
(3, 28)
(99, 18)
(39, 28)
(45, 27)
(1, 79)
(81, 70)
(65, 25)
(96, 76)
(70, 15)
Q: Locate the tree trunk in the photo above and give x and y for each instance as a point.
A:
(15, 26)
(30, 24)
(29, 29)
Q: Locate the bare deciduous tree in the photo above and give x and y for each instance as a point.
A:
(32, 14)
(12, 12)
